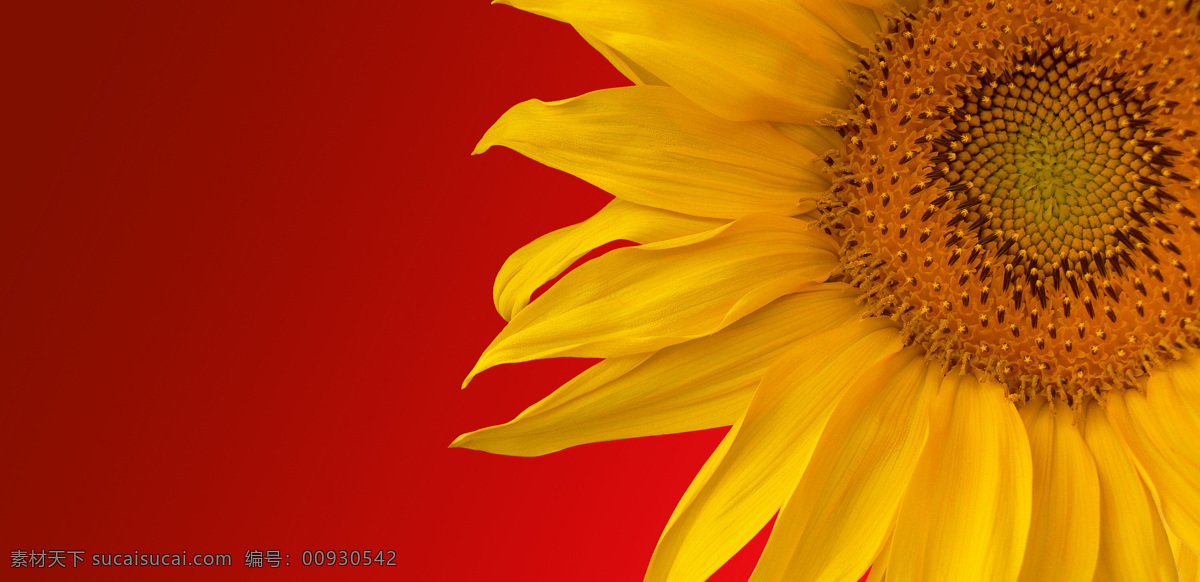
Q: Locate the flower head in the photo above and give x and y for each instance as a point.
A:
(930, 260)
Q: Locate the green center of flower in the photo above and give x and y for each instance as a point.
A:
(1053, 156)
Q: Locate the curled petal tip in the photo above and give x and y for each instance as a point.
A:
(484, 145)
(469, 377)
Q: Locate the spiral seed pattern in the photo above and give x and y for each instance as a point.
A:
(1017, 188)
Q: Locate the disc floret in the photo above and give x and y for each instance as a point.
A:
(1017, 188)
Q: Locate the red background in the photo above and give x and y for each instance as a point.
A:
(247, 261)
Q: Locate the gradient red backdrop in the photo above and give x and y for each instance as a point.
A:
(247, 260)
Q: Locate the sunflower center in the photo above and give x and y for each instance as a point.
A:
(1049, 157)
(1016, 183)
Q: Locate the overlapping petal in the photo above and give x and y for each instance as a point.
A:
(545, 258)
(1064, 533)
(879, 565)
(1185, 379)
(855, 23)
(887, 5)
(699, 384)
(776, 61)
(966, 514)
(1160, 429)
(632, 71)
(835, 523)
(817, 139)
(640, 299)
(1186, 561)
(650, 145)
(746, 480)
(1133, 543)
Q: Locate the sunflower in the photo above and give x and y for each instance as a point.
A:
(929, 260)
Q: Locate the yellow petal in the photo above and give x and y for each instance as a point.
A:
(640, 299)
(633, 71)
(1133, 543)
(1185, 379)
(652, 146)
(836, 521)
(1186, 561)
(743, 486)
(545, 258)
(748, 60)
(1160, 432)
(855, 23)
(1064, 533)
(966, 513)
(700, 384)
(885, 6)
(817, 139)
(879, 564)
